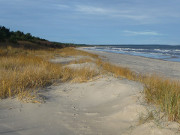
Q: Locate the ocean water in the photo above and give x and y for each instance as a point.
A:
(164, 52)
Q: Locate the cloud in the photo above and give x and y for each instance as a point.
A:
(124, 12)
(138, 13)
(114, 13)
(143, 33)
(92, 10)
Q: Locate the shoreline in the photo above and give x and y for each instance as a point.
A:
(150, 54)
(141, 64)
(128, 55)
(140, 56)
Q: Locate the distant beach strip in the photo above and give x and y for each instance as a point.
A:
(164, 52)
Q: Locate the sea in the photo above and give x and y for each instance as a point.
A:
(163, 52)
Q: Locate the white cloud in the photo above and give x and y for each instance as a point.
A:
(142, 15)
(91, 10)
(108, 12)
(134, 33)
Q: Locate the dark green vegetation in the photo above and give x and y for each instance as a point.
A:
(27, 41)
(6, 34)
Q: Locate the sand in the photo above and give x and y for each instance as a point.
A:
(141, 64)
(105, 106)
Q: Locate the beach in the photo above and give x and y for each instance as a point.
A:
(141, 64)
(89, 67)
(105, 105)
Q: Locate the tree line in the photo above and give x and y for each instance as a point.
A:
(11, 36)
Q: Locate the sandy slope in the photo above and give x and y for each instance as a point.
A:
(107, 106)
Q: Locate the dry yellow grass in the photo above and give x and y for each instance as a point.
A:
(78, 75)
(158, 90)
(70, 51)
(83, 60)
(11, 51)
(22, 72)
(116, 70)
(165, 93)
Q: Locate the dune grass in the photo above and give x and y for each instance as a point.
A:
(22, 72)
(161, 91)
(78, 75)
(82, 60)
(165, 93)
(116, 70)
(70, 51)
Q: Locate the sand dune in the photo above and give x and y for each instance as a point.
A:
(106, 106)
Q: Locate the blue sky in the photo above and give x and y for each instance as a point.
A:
(95, 21)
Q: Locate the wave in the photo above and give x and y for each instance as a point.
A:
(160, 52)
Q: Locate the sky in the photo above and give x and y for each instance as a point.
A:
(95, 21)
